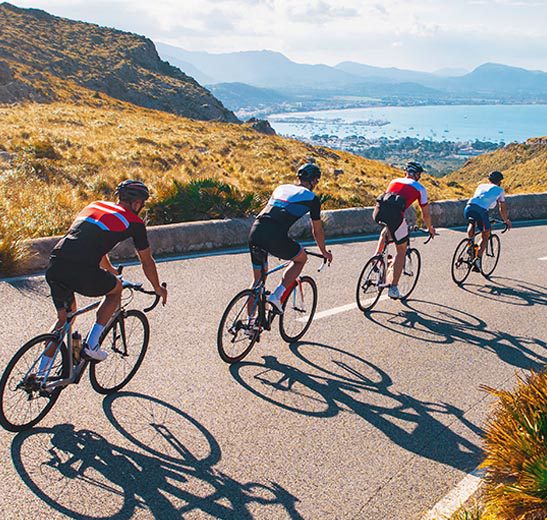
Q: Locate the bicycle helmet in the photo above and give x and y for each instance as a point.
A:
(495, 177)
(309, 172)
(414, 168)
(131, 190)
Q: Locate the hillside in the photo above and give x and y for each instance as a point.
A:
(524, 166)
(45, 58)
(57, 157)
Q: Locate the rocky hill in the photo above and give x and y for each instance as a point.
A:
(45, 58)
(523, 164)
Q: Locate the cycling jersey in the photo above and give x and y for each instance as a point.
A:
(290, 202)
(410, 189)
(487, 196)
(95, 232)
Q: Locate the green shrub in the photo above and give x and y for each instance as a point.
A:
(202, 199)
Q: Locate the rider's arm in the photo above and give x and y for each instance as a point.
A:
(503, 212)
(426, 213)
(107, 265)
(319, 236)
(151, 272)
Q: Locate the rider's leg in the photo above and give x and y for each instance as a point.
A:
(382, 241)
(107, 308)
(398, 263)
(485, 235)
(471, 230)
(289, 277)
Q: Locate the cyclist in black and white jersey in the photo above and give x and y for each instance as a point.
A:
(270, 231)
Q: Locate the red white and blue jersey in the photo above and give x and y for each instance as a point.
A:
(96, 230)
(410, 189)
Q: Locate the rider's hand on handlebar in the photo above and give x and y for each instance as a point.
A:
(162, 292)
(432, 231)
(508, 224)
(328, 256)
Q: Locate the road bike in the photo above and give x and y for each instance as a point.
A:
(467, 252)
(372, 280)
(28, 394)
(249, 314)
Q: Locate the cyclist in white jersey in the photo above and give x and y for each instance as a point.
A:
(487, 196)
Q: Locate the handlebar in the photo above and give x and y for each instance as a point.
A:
(498, 221)
(318, 255)
(425, 232)
(126, 284)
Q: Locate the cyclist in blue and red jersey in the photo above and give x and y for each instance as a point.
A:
(487, 196)
(270, 231)
(390, 212)
(79, 262)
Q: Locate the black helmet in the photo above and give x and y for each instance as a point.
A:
(496, 177)
(131, 190)
(414, 168)
(308, 172)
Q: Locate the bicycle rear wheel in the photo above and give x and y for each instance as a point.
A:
(126, 341)
(462, 261)
(411, 273)
(238, 329)
(298, 310)
(23, 403)
(370, 283)
(491, 256)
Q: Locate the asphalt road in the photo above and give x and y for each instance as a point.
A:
(368, 417)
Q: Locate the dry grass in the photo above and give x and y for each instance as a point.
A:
(63, 156)
(516, 452)
(524, 166)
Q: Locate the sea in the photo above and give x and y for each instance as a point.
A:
(460, 123)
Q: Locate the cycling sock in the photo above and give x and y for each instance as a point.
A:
(45, 362)
(94, 335)
(279, 291)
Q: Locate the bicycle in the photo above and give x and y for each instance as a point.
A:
(467, 252)
(253, 314)
(372, 280)
(127, 335)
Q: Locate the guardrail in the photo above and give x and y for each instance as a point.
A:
(217, 234)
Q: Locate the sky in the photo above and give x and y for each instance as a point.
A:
(414, 34)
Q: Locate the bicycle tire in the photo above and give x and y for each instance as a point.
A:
(458, 259)
(284, 317)
(493, 248)
(413, 272)
(242, 296)
(7, 422)
(116, 355)
(364, 278)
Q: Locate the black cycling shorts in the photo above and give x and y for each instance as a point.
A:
(66, 278)
(267, 236)
(391, 216)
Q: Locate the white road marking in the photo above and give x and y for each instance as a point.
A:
(449, 504)
(338, 310)
(543, 258)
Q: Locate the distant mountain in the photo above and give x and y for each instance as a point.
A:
(450, 72)
(239, 96)
(384, 73)
(169, 53)
(46, 58)
(260, 68)
(493, 77)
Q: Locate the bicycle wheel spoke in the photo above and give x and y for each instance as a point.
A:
(370, 283)
(299, 309)
(462, 261)
(410, 274)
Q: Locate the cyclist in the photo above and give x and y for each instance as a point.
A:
(79, 262)
(486, 196)
(390, 212)
(270, 231)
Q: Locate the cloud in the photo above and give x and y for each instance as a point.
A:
(320, 12)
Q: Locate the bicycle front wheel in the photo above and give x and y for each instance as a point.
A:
(240, 326)
(371, 283)
(491, 256)
(410, 274)
(24, 401)
(298, 310)
(462, 261)
(126, 341)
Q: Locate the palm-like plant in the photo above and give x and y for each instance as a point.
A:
(516, 451)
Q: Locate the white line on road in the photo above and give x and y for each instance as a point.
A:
(338, 310)
(448, 505)
(543, 258)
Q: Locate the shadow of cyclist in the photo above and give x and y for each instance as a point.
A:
(357, 386)
(82, 475)
(434, 323)
(509, 291)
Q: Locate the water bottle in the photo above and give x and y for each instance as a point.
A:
(76, 346)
